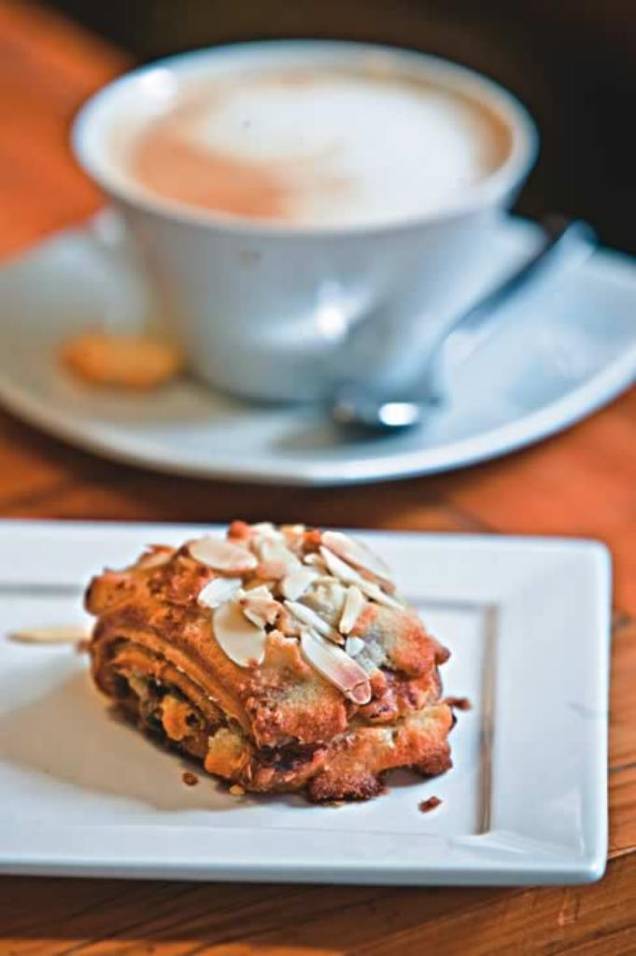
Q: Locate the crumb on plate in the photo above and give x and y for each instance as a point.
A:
(121, 360)
(427, 805)
(190, 779)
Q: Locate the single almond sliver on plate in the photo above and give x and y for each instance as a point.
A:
(50, 635)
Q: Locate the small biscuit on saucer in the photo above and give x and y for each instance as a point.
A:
(120, 360)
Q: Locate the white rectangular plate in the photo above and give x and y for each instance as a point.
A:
(527, 621)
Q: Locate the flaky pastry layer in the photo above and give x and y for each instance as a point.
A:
(279, 723)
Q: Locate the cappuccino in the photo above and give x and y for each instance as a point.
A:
(280, 193)
(318, 146)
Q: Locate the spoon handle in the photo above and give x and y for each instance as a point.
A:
(563, 237)
(381, 411)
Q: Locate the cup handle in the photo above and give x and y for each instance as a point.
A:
(126, 300)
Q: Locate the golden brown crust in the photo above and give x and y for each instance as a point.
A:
(279, 724)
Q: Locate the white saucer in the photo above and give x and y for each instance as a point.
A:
(563, 350)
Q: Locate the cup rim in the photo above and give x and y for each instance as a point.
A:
(501, 182)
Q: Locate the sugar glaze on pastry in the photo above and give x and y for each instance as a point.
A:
(281, 658)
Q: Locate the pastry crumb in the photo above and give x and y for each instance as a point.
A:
(190, 779)
(427, 805)
(120, 361)
(237, 790)
(459, 703)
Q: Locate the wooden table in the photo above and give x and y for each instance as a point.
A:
(580, 483)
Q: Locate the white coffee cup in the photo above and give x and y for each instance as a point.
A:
(266, 309)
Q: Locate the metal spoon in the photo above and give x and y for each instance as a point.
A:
(363, 407)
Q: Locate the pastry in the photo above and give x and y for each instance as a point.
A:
(281, 659)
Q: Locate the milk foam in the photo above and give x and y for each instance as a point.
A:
(342, 149)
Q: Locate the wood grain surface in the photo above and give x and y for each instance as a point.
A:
(580, 483)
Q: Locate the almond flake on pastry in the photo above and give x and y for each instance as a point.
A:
(259, 606)
(218, 591)
(340, 569)
(241, 640)
(376, 593)
(294, 585)
(266, 529)
(315, 560)
(277, 553)
(309, 617)
(336, 666)
(155, 557)
(357, 554)
(222, 555)
(354, 603)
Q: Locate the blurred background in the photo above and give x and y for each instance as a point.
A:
(573, 62)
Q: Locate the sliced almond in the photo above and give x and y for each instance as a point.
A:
(354, 645)
(357, 554)
(287, 624)
(258, 591)
(256, 585)
(293, 535)
(50, 635)
(154, 557)
(266, 528)
(277, 553)
(314, 560)
(271, 571)
(259, 606)
(265, 531)
(222, 555)
(327, 598)
(376, 593)
(353, 605)
(241, 640)
(295, 584)
(309, 617)
(336, 666)
(218, 591)
(340, 569)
